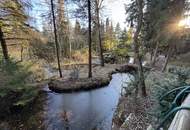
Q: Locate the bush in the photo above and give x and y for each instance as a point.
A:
(80, 56)
(13, 89)
(161, 83)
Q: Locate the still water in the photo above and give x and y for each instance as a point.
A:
(89, 110)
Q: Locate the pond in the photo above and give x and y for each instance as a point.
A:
(84, 110)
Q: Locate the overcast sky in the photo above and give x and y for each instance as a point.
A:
(114, 9)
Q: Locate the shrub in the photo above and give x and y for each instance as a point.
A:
(13, 89)
(161, 83)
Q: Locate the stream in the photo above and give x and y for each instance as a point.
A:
(89, 110)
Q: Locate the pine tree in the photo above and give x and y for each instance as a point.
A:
(107, 25)
(118, 31)
(159, 20)
(135, 12)
(123, 39)
(13, 22)
(110, 40)
(77, 28)
(98, 6)
(63, 28)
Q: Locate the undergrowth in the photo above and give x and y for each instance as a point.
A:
(161, 83)
(14, 79)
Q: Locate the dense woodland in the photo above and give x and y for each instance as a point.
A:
(77, 36)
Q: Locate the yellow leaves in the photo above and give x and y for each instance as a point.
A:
(110, 44)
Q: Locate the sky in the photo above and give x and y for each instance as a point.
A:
(37, 10)
(114, 9)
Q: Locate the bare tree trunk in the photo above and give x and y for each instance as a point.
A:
(89, 40)
(68, 33)
(21, 53)
(61, 28)
(155, 54)
(167, 59)
(4, 45)
(136, 47)
(56, 40)
(151, 56)
(99, 34)
(141, 77)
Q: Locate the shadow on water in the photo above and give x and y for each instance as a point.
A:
(84, 110)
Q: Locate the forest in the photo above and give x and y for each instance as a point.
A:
(94, 64)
